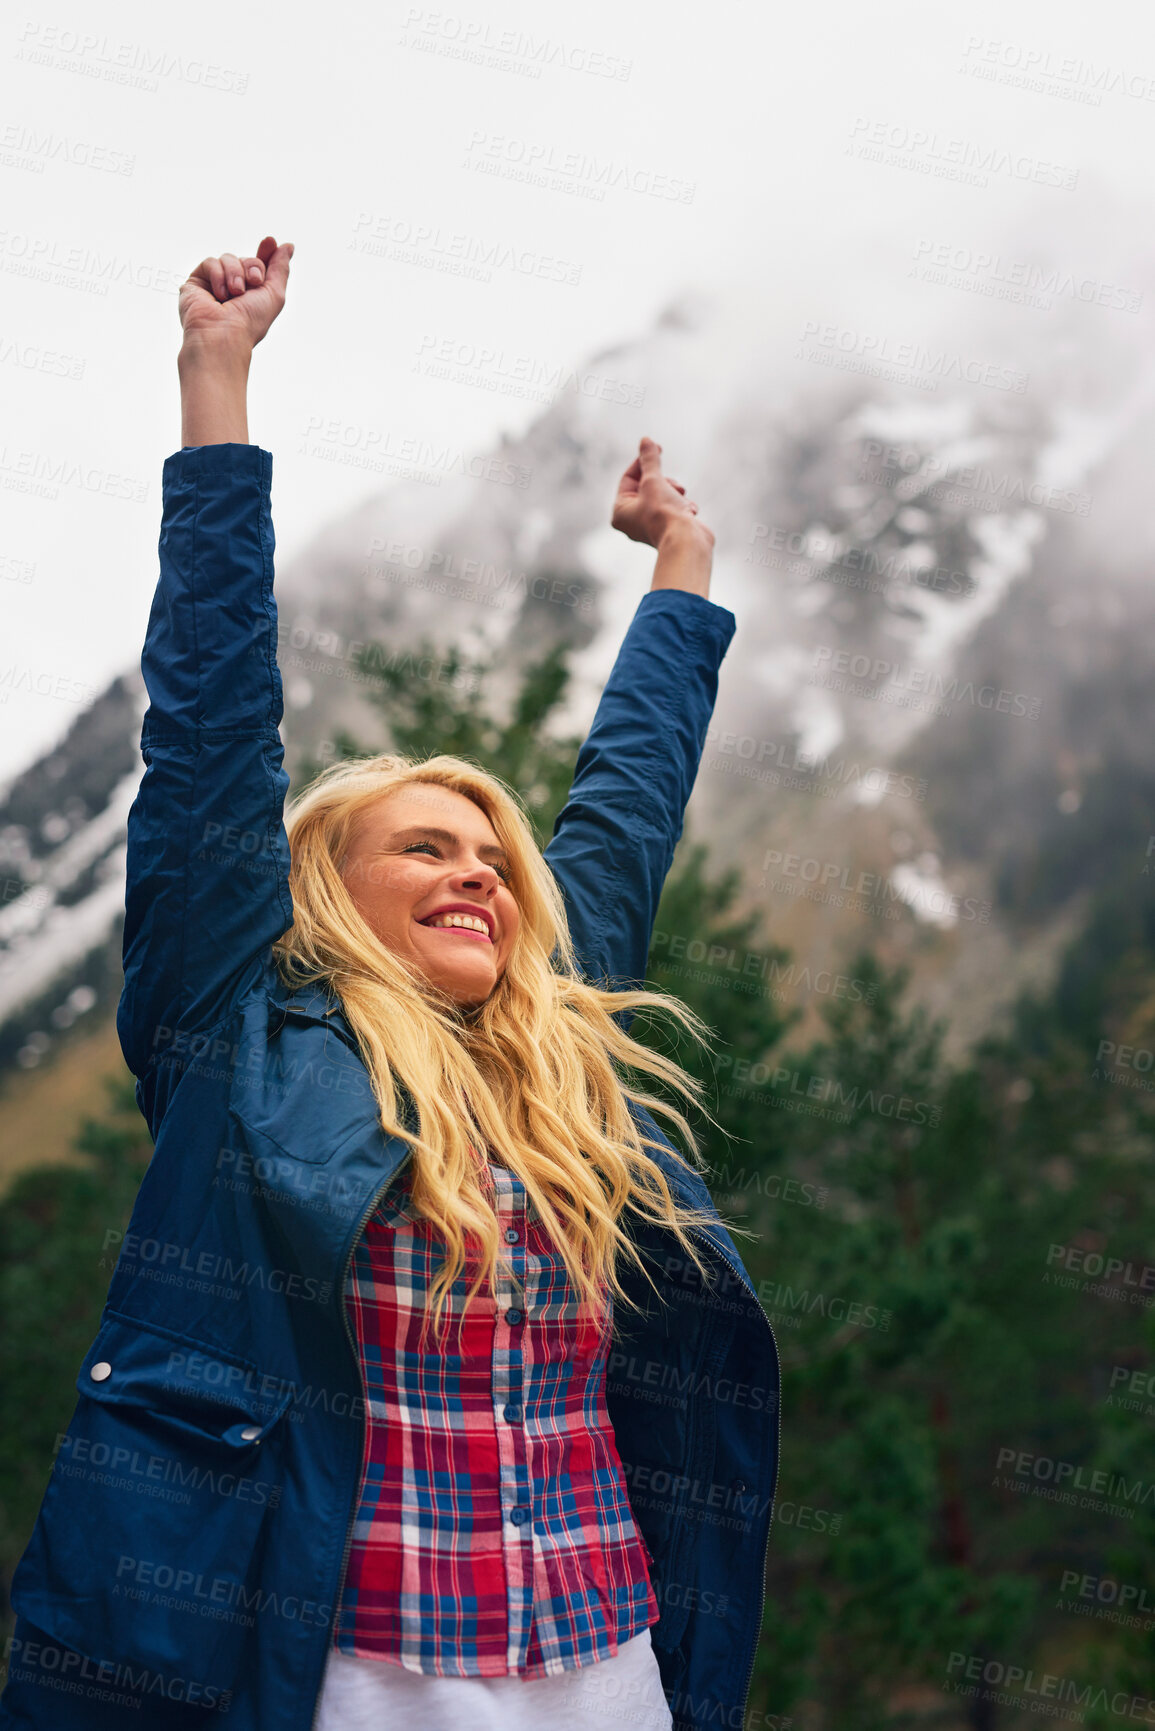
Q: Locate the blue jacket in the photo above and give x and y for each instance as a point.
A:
(189, 1552)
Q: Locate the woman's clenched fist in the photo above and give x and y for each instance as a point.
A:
(236, 297)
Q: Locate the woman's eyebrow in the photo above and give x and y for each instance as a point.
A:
(447, 836)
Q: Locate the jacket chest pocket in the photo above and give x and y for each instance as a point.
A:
(148, 1546)
(312, 1095)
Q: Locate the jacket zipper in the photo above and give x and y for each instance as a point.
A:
(356, 1239)
(718, 1249)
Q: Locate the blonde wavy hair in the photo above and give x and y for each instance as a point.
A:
(532, 1072)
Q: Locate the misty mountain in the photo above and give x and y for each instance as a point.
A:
(932, 725)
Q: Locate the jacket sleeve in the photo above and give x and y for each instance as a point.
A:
(614, 838)
(207, 887)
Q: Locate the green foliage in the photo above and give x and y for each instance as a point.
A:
(55, 1225)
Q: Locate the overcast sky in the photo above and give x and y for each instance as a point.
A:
(816, 159)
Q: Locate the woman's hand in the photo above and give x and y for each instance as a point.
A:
(236, 297)
(649, 503)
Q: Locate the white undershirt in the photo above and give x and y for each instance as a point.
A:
(374, 1695)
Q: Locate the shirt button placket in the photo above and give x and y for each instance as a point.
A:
(509, 1374)
(513, 1411)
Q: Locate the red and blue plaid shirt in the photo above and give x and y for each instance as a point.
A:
(493, 1535)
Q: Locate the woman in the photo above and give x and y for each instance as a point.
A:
(429, 1381)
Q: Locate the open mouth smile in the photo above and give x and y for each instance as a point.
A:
(456, 931)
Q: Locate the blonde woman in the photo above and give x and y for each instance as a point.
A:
(429, 1389)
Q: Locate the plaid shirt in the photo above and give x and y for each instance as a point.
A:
(493, 1535)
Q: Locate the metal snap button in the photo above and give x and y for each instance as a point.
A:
(100, 1371)
(250, 1433)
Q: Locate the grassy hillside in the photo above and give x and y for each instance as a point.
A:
(41, 1110)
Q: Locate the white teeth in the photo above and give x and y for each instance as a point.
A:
(469, 921)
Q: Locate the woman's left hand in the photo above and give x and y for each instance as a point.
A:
(648, 502)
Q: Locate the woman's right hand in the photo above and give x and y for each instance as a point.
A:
(236, 297)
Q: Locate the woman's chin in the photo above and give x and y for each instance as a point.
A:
(468, 990)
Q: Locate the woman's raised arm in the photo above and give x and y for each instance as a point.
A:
(614, 839)
(206, 889)
(226, 306)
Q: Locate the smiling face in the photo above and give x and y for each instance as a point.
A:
(422, 849)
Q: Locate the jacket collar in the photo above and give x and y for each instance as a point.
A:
(320, 1005)
(311, 1003)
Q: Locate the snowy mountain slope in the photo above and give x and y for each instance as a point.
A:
(874, 541)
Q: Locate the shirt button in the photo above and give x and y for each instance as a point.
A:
(512, 1316)
(511, 1414)
(511, 1235)
(519, 1516)
(100, 1371)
